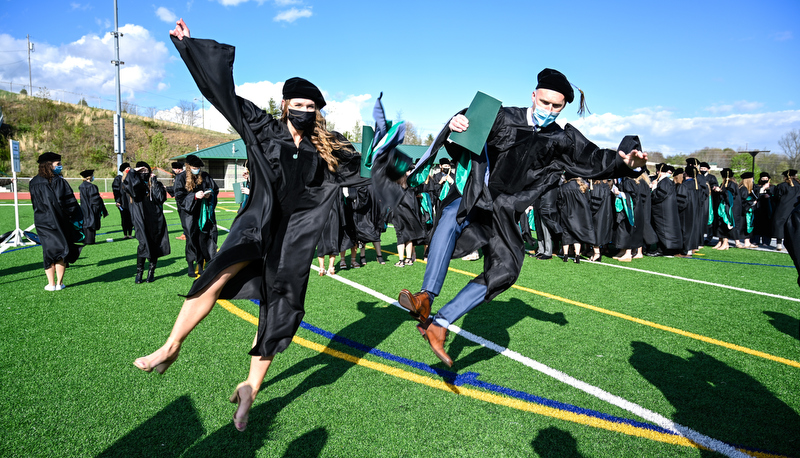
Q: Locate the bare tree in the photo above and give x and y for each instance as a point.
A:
(412, 136)
(129, 107)
(790, 144)
(150, 112)
(187, 112)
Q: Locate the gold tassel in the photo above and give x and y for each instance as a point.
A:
(582, 108)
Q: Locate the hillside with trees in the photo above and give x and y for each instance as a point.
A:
(84, 136)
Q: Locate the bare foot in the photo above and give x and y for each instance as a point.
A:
(244, 397)
(160, 360)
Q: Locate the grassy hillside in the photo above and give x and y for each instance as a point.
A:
(84, 136)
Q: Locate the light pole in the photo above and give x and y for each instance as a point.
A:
(30, 78)
(203, 109)
(119, 121)
(754, 153)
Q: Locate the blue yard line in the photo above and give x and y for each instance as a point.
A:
(745, 263)
(471, 378)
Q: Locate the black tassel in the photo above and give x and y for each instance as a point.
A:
(582, 108)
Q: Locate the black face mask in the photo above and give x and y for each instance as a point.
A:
(303, 120)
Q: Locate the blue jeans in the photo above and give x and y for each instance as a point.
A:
(441, 249)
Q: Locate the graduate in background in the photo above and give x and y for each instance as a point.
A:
(57, 217)
(762, 215)
(575, 214)
(92, 206)
(727, 205)
(198, 197)
(689, 197)
(745, 218)
(123, 203)
(626, 237)
(665, 218)
(146, 198)
(179, 181)
(783, 202)
(602, 216)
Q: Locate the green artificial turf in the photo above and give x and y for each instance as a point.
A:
(69, 387)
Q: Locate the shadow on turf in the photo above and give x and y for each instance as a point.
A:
(492, 323)
(719, 401)
(168, 434)
(378, 323)
(129, 271)
(784, 323)
(556, 443)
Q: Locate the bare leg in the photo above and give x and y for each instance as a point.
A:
(246, 392)
(639, 254)
(565, 249)
(331, 260)
(192, 312)
(596, 256)
(321, 261)
(50, 272)
(60, 268)
(577, 247)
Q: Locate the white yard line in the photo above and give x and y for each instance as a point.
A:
(694, 436)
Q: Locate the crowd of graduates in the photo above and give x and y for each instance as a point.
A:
(673, 212)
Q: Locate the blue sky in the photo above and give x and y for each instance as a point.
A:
(682, 75)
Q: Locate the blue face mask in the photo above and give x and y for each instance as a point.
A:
(195, 171)
(57, 170)
(543, 117)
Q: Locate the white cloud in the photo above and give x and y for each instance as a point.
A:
(660, 130)
(166, 15)
(740, 106)
(83, 67)
(782, 36)
(292, 15)
(231, 2)
(282, 3)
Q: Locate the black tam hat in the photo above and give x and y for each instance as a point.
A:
(48, 157)
(691, 161)
(678, 171)
(764, 175)
(124, 166)
(303, 89)
(792, 172)
(194, 161)
(670, 169)
(705, 164)
(660, 167)
(785, 173)
(87, 173)
(143, 164)
(444, 161)
(726, 173)
(746, 175)
(177, 165)
(556, 81)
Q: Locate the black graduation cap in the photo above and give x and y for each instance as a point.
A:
(194, 161)
(792, 172)
(785, 173)
(555, 81)
(177, 165)
(726, 173)
(691, 161)
(303, 89)
(704, 164)
(678, 171)
(123, 166)
(48, 157)
(87, 173)
(746, 175)
(143, 164)
(669, 168)
(764, 175)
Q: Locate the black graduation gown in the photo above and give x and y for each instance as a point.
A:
(148, 215)
(783, 199)
(547, 214)
(665, 220)
(575, 214)
(729, 202)
(334, 231)
(524, 164)
(704, 202)
(368, 215)
(201, 242)
(407, 219)
(92, 208)
(688, 201)
(602, 213)
(180, 183)
(124, 204)
(291, 193)
(627, 235)
(55, 211)
(646, 213)
(792, 240)
(748, 202)
(762, 216)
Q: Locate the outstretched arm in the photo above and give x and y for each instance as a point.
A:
(634, 159)
(181, 30)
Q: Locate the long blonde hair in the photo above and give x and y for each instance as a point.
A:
(644, 176)
(581, 184)
(192, 180)
(748, 184)
(325, 142)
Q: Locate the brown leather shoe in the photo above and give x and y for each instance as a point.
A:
(418, 305)
(436, 335)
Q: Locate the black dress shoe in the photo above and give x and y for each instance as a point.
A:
(577, 259)
(543, 257)
(654, 254)
(566, 258)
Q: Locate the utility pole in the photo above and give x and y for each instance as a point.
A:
(119, 122)
(203, 108)
(30, 78)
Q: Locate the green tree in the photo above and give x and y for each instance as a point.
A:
(428, 140)
(23, 91)
(273, 108)
(83, 102)
(743, 162)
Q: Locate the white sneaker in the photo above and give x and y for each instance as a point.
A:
(60, 287)
(779, 247)
(50, 288)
